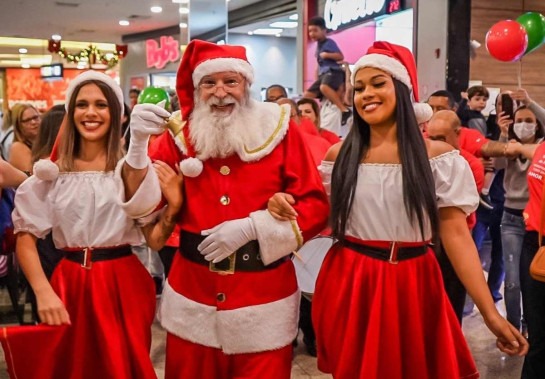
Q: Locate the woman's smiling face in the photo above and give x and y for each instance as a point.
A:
(374, 96)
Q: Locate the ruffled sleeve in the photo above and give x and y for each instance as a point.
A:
(32, 211)
(454, 183)
(326, 169)
(146, 199)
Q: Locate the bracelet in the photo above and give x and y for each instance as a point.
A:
(505, 149)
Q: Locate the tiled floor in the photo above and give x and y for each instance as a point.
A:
(491, 363)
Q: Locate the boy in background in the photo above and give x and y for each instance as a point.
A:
(469, 111)
(330, 73)
(470, 108)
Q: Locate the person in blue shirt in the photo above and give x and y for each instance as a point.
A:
(330, 73)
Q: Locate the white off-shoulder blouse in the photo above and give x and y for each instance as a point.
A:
(378, 211)
(83, 209)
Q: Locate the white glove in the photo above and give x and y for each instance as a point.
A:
(226, 238)
(146, 119)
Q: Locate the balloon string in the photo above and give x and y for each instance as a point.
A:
(519, 75)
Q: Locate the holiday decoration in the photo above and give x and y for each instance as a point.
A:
(154, 95)
(91, 55)
(534, 24)
(507, 41)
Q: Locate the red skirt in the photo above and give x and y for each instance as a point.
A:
(111, 307)
(374, 319)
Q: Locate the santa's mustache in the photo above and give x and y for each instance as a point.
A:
(227, 100)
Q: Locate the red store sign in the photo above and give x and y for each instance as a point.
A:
(158, 54)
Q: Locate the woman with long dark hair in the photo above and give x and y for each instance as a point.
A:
(379, 307)
(98, 308)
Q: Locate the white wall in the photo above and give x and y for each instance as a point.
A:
(431, 38)
(396, 28)
(274, 60)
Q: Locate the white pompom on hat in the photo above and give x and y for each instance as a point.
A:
(399, 62)
(98, 76)
(203, 58)
(45, 170)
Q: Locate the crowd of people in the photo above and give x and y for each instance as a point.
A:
(227, 189)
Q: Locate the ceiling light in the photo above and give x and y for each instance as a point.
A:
(25, 65)
(124, 23)
(294, 17)
(22, 50)
(250, 33)
(156, 9)
(278, 35)
(183, 25)
(267, 31)
(284, 24)
(56, 37)
(183, 10)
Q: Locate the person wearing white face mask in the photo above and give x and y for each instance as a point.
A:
(526, 129)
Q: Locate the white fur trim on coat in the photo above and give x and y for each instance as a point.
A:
(249, 329)
(276, 238)
(273, 121)
(213, 66)
(146, 198)
(386, 64)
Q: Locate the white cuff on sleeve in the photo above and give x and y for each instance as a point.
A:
(146, 198)
(276, 238)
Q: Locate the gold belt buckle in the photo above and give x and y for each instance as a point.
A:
(87, 263)
(393, 253)
(223, 267)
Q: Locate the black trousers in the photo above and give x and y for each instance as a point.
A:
(453, 286)
(305, 321)
(533, 297)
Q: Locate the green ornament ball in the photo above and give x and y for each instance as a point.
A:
(154, 95)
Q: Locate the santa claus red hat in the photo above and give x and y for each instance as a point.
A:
(399, 62)
(203, 58)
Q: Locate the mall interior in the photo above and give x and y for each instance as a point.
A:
(45, 44)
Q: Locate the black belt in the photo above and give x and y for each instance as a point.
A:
(246, 258)
(393, 254)
(86, 256)
(513, 211)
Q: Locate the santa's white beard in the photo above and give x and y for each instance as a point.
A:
(217, 135)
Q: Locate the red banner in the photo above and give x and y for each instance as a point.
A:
(25, 85)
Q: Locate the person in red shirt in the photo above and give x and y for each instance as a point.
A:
(533, 291)
(310, 110)
(317, 145)
(445, 126)
(470, 140)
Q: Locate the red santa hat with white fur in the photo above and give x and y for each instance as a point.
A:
(399, 62)
(203, 58)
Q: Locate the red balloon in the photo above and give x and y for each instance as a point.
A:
(507, 41)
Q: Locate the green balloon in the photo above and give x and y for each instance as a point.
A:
(534, 24)
(154, 95)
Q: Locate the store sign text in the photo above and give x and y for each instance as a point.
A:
(341, 12)
(159, 54)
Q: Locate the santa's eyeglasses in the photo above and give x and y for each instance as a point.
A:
(227, 84)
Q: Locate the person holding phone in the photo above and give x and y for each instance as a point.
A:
(526, 129)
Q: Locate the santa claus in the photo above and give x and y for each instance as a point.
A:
(230, 304)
